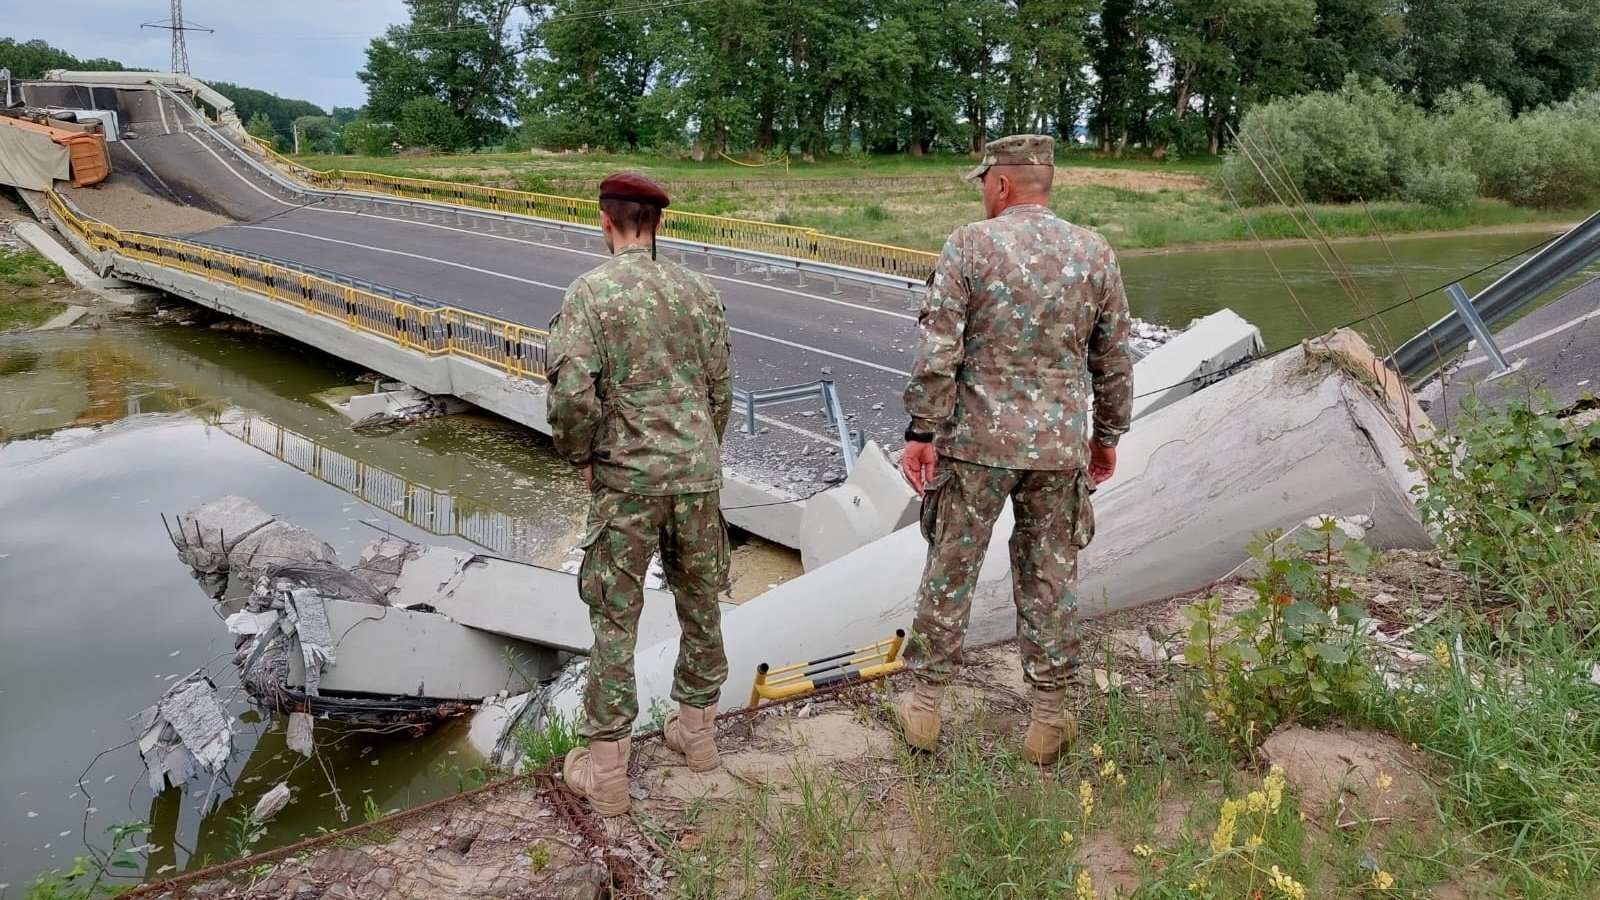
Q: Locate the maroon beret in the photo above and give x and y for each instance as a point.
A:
(635, 188)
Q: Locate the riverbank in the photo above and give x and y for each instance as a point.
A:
(1140, 205)
(32, 290)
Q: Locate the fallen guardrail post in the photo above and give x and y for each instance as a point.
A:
(824, 392)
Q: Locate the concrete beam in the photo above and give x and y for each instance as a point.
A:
(392, 652)
(1180, 367)
(513, 599)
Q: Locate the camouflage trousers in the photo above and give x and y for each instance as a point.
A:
(1054, 520)
(624, 531)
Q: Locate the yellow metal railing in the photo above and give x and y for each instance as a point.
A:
(518, 350)
(742, 234)
(882, 658)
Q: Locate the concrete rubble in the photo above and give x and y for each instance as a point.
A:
(185, 735)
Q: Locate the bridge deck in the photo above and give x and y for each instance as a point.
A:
(782, 333)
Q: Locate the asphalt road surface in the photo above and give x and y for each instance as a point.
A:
(782, 335)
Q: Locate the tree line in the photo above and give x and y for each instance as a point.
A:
(831, 76)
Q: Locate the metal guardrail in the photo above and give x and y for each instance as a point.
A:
(434, 330)
(436, 511)
(824, 392)
(1560, 259)
(788, 241)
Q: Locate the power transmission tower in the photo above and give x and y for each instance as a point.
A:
(180, 47)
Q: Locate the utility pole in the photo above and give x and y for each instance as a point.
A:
(177, 25)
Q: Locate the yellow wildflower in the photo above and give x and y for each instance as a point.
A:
(1109, 769)
(1222, 838)
(1066, 839)
(1143, 851)
(1097, 751)
(1256, 801)
(1441, 653)
(1254, 841)
(1385, 781)
(1086, 798)
(1122, 780)
(1273, 786)
(1084, 886)
(1383, 880)
(1287, 886)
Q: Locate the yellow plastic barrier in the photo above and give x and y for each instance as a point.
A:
(518, 350)
(743, 234)
(882, 658)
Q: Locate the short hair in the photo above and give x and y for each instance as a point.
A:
(630, 216)
(1029, 179)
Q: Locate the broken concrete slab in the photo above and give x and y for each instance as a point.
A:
(1290, 437)
(517, 600)
(392, 652)
(187, 733)
(873, 502)
(206, 534)
(1196, 357)
(276, 544)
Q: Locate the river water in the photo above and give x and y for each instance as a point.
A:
(103, 431)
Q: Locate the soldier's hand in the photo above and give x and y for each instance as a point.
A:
(588, 476)
(917, 463)
(1102, 462)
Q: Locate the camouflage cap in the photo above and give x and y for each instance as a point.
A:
(1016, 150)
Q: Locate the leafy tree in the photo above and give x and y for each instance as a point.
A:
(317, 134)
(31, 59)
(1528, 51)
(280, 111)
(1123, 67)
(364, 137)
(588, 81)
(426, 122)
(458, 53)
(259, 126)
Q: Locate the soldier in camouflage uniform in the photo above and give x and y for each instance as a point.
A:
(1024, 338)
(640, 393)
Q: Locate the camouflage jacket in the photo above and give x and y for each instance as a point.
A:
(1024, 322)
(639, 380)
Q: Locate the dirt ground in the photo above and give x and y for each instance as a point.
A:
(122, 203)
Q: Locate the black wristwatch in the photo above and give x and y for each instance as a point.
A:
(921, 437)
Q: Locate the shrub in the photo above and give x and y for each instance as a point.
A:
(1515, 494)
(1295, 653)
(1365, 142)
(1447, 186)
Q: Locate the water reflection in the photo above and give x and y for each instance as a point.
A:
(100, 433)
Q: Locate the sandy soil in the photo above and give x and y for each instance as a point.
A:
(122, 203)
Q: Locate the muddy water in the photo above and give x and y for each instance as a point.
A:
(1174, 288)
(101, 432)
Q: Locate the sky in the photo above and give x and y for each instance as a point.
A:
(301, 49)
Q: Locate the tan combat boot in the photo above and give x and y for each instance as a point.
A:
(917, 711)
(691, 731)
(1050, 727)
(600, 773)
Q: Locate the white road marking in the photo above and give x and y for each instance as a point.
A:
(1549, 333)
(432, 259)
(532, 242)
(810, 349)
(444, 262)
(128, 146)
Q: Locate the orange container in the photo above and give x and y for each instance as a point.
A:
(86, 151)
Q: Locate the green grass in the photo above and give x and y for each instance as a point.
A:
(917, 202)
(540, 746)
(20, 273)
(26, 268)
